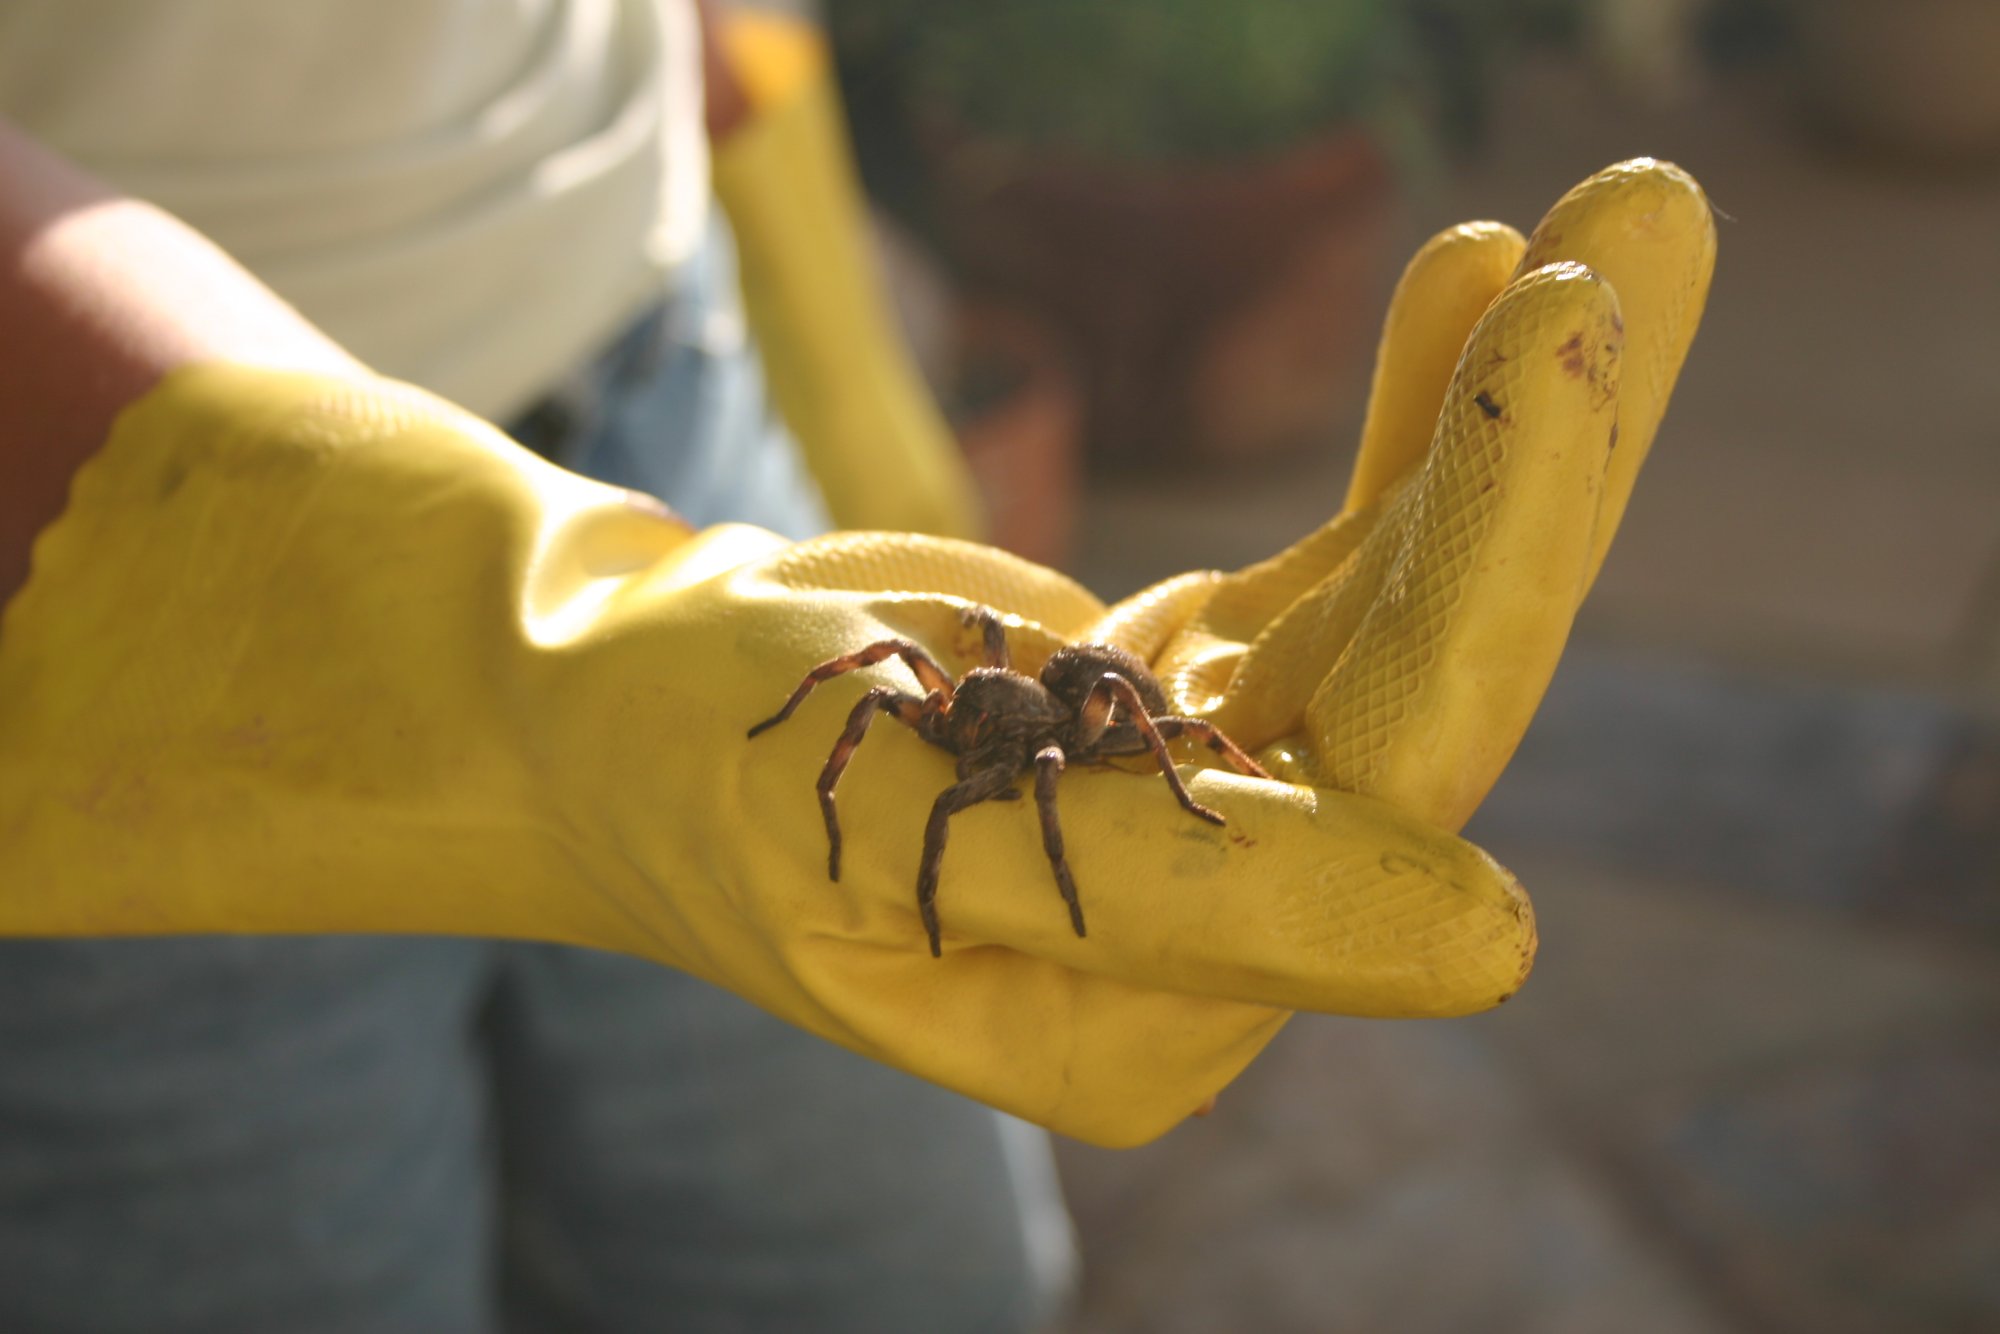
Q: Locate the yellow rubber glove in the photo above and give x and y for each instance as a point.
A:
(305, 656)
(874, 439)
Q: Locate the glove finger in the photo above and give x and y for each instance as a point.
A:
(928, 569)
(1272, 679)
(1492, 539)
(1440, 297)
(1200, 657)
(1306, 899)
(1194, 628)
(1273, 682)
(1646, 228)
(1212, 669)
(1091, 1057)
(1248, 600)
(1148, 620)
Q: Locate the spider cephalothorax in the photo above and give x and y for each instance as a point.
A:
(1090, 702)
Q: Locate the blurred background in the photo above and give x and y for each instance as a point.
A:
(1754, 1084)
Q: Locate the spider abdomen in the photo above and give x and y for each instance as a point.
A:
(1072, 671)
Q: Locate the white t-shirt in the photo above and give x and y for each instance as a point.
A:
(469, 194)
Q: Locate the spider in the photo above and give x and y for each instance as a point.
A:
(1091, 701)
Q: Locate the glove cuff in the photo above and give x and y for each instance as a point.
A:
(265, 675)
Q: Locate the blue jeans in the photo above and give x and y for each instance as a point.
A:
(389, 1134)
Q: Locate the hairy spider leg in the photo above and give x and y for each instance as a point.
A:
(993, 635)
(1049, 768)
(1232, 754)
(928, 673)
(965, 770)
(905, 709)
(953, 799)
(1112, 689)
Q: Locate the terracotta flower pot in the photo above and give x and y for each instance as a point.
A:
(1218, 311)
(1019, 417)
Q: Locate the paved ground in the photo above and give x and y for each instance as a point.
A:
(1755, 1082)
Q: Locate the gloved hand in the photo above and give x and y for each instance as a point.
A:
(870, 431)
(308, 656)
(1401, 650)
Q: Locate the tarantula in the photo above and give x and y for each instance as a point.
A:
(1090, 702)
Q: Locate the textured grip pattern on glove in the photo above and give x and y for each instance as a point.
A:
(1402, 648)
(1402, 907)
(1646, 228)
(975, 573)
(1499, 522)
(1440, 297)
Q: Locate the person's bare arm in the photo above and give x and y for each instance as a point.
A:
(101, 295)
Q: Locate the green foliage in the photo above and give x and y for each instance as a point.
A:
(1136, 80)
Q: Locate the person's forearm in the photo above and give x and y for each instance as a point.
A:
(100, 296)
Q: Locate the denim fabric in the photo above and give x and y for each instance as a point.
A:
(386, 1134)
(244, 1134)
(676, 407)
